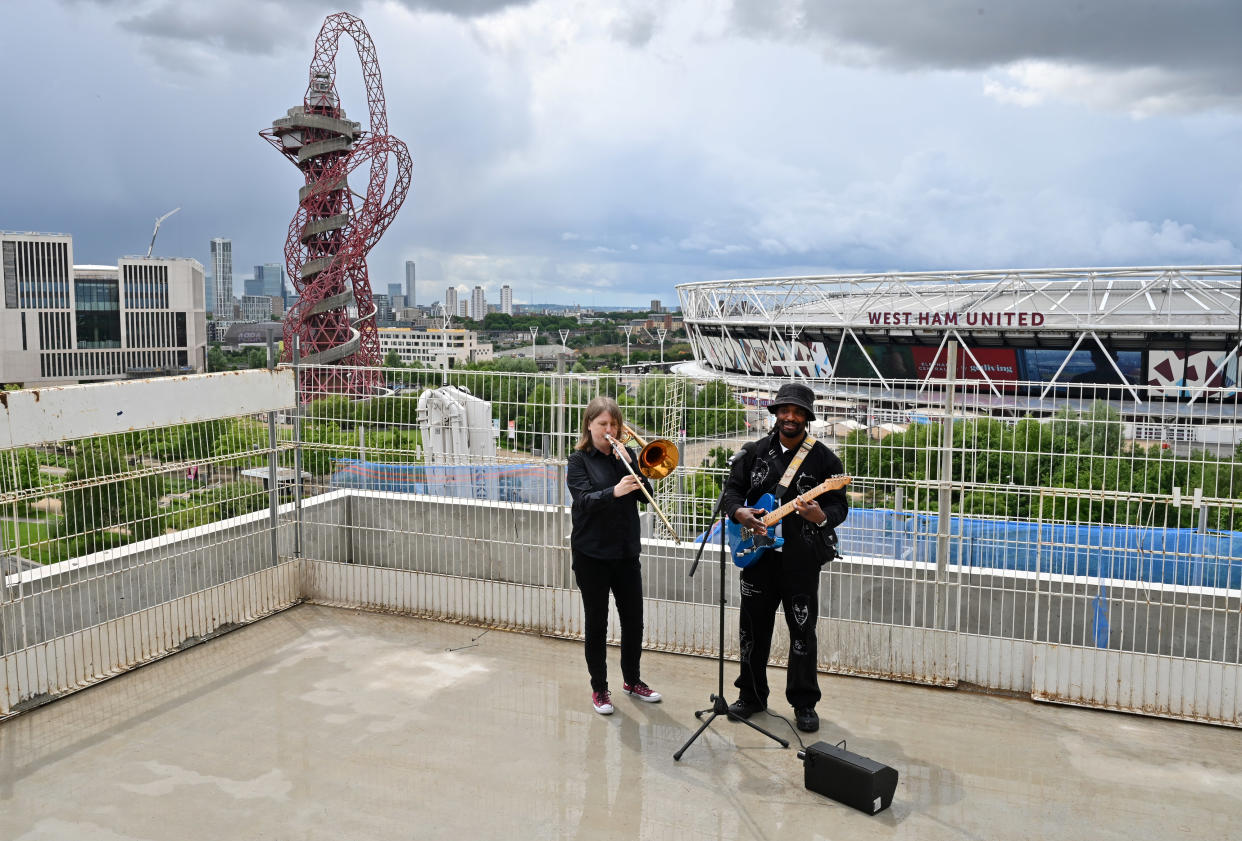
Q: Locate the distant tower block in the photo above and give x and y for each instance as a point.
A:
(330, 235)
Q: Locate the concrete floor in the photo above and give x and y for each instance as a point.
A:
(321, 723)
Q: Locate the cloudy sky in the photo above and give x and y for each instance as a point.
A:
(602, 152)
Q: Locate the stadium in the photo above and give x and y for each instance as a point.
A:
(1162, 340)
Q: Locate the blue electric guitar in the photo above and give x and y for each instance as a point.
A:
(745, 546)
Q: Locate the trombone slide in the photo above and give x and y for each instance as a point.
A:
(624, 457)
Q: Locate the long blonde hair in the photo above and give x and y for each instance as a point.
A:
(600, 405)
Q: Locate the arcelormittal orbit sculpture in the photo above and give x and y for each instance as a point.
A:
(330, 235)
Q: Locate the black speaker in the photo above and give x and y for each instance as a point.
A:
(848, 778)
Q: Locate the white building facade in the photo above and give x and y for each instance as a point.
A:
(450, 300)
(431, 347)
(61, 323)
(256, 308)
(506, 299)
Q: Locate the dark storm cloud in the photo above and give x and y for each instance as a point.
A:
(253, 27)
(980, 33)
(1194, 39)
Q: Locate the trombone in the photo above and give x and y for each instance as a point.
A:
(656, 460)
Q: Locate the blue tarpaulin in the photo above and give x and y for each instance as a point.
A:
(534, 483)
(1133, 553)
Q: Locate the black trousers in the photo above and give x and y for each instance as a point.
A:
(793, 584)
(624, 578)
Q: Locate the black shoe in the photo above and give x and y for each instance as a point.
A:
(741, 708)
(808, 721)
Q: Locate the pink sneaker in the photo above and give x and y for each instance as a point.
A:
(641, 691)
(602, 702)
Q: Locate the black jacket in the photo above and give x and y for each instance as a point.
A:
(760, 469)
(604, 526)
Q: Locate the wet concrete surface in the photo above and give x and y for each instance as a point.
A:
(320, 723)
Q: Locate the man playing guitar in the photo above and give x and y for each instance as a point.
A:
(786, 463)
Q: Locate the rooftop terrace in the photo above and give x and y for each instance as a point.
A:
(293, 683)
(327, 723)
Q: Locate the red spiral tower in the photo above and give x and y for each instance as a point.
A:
(330, 235)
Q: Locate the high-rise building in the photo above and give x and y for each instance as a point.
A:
(61, 323)
(269, 280)
(383, 309)
(506, 299)
(450, 299)
(409, 281)
(256, 308)
(655, 305)
(394, 289)
(222, 276)
(463, 310)
(478, 304)
(251, 286)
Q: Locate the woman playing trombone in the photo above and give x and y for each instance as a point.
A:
(605, 546)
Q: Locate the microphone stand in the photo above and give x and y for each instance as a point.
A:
(719, 705)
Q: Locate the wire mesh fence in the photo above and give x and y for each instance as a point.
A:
(1098, 517)
(121, 546)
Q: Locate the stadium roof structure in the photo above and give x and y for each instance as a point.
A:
(807, 323)
(1177, 298)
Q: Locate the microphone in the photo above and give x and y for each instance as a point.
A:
(736, 457)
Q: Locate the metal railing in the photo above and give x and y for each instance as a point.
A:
(1082, 546)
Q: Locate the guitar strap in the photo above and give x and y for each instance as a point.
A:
(790, 472)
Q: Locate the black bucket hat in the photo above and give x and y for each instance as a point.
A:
(794, 394)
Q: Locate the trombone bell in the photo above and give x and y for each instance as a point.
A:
(656, 459)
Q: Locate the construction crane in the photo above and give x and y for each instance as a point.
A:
(157, 228)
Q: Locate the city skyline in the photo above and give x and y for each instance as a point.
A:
(640, 147)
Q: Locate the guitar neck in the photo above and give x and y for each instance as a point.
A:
(829, 484)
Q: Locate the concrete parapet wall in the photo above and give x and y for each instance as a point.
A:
(528, 545)
(42, 604)
(508, 565)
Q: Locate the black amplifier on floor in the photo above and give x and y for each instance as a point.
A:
(848, 778)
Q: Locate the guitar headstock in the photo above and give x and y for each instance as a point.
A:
(832, 483)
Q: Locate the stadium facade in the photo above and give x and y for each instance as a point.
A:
(1167, 332)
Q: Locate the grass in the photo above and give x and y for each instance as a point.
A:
(35, 539)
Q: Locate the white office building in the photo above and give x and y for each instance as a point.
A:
(222, 277)
(256, 308)
(433, 346)
(409, 281)
(450, 300)
(61, 323)
(506, 299)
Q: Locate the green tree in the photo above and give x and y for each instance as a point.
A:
(109, 509)
(715, 411)
(242, 441)
(323, 444)
(216, 360)
(19, 470)
(184, 442)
